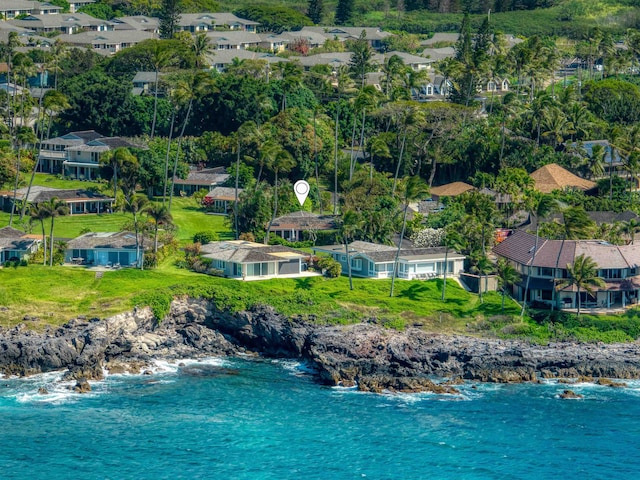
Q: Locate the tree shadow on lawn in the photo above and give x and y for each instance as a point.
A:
(303, 283)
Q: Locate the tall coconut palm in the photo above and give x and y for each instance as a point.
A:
(201, 47)
(583, 274)
(23, 136)
(539, 206)
(161, 56)
(137, 204)
(413, 189)
(281, 161)
(507, 277)
(349, 226)
(40, 214)
(452, 241)
(160, 216)
(577, 224)
(483, 268)
(52, 209)
(187, 91)
(631, 227)
(115, 159)
(53, 102)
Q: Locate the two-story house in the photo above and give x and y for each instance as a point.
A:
(618, 266)
(83, 161)
(53, 151)
(204, 22)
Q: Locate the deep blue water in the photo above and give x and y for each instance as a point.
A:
(269, 420)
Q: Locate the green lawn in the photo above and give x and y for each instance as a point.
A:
(188, 217)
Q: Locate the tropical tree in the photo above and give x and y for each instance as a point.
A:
(483, 267)
(583, 274)
(413, 188)
(137, 204)
(507, 277)
(40, 214)
(52, 209)
(116, 159)
(23, 136)
(631, 227)
(576, 225)
(280, 161)
(452, 241)
(349, 227)
(162, 55)
(539, 206)
(160, 216)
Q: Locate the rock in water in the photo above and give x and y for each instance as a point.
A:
(82, 386)
(43, 391)
(570, 395)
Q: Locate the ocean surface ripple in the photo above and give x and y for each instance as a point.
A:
(250, 419)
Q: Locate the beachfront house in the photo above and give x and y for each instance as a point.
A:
(618, 266)
(109, 249)
(253, 261)
(16, 245)
(79, 201)
(301, 225)
(372, 260)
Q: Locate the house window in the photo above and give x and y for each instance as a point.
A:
(546, 294)
(545, 272)
(356, 264)
(429, 89)
(343, 258)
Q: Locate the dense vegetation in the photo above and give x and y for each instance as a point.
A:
(367, 152)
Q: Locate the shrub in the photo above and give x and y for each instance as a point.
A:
(329, 266)
(205, 237)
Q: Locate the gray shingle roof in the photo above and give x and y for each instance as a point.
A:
(239, 251)
(112, 240)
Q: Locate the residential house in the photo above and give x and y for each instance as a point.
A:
(416, 62)
(26, 37)
(372, 260)
(110, 249)
(53, 152)
(374, 36)
(252, 261)
(437, 54)
(200, 178)
(292, 226)
(612, 159)
(441, 38)
(106, 42)
(618, 266)
(79, 201)
(83, 161)
(74, 5)
(15, 245)
(204, 22)
(450, 190)
(10, 9)
(553, 177)
(144, 83)
(137, 22)
(64, 22)
(221, 199)
(223, 58)
(234, 40)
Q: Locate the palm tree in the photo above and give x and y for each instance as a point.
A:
(161, 216)
(52, 209)
(201, 48)
(115, 159)
(23, 136)
(281, 161)
(583, 274)
(577, 224)
(350, 225)
(630, 228)
(452, 241)
(413, 189)
(483, 267)
(187, 91)
(507, 277)
(40, 214)
(162, 55)
(539, 206)
(138, 203)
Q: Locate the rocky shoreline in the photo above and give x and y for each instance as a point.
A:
(366, 355)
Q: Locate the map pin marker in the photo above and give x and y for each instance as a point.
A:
(301, 188)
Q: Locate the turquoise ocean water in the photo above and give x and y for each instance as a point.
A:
(269, 420)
